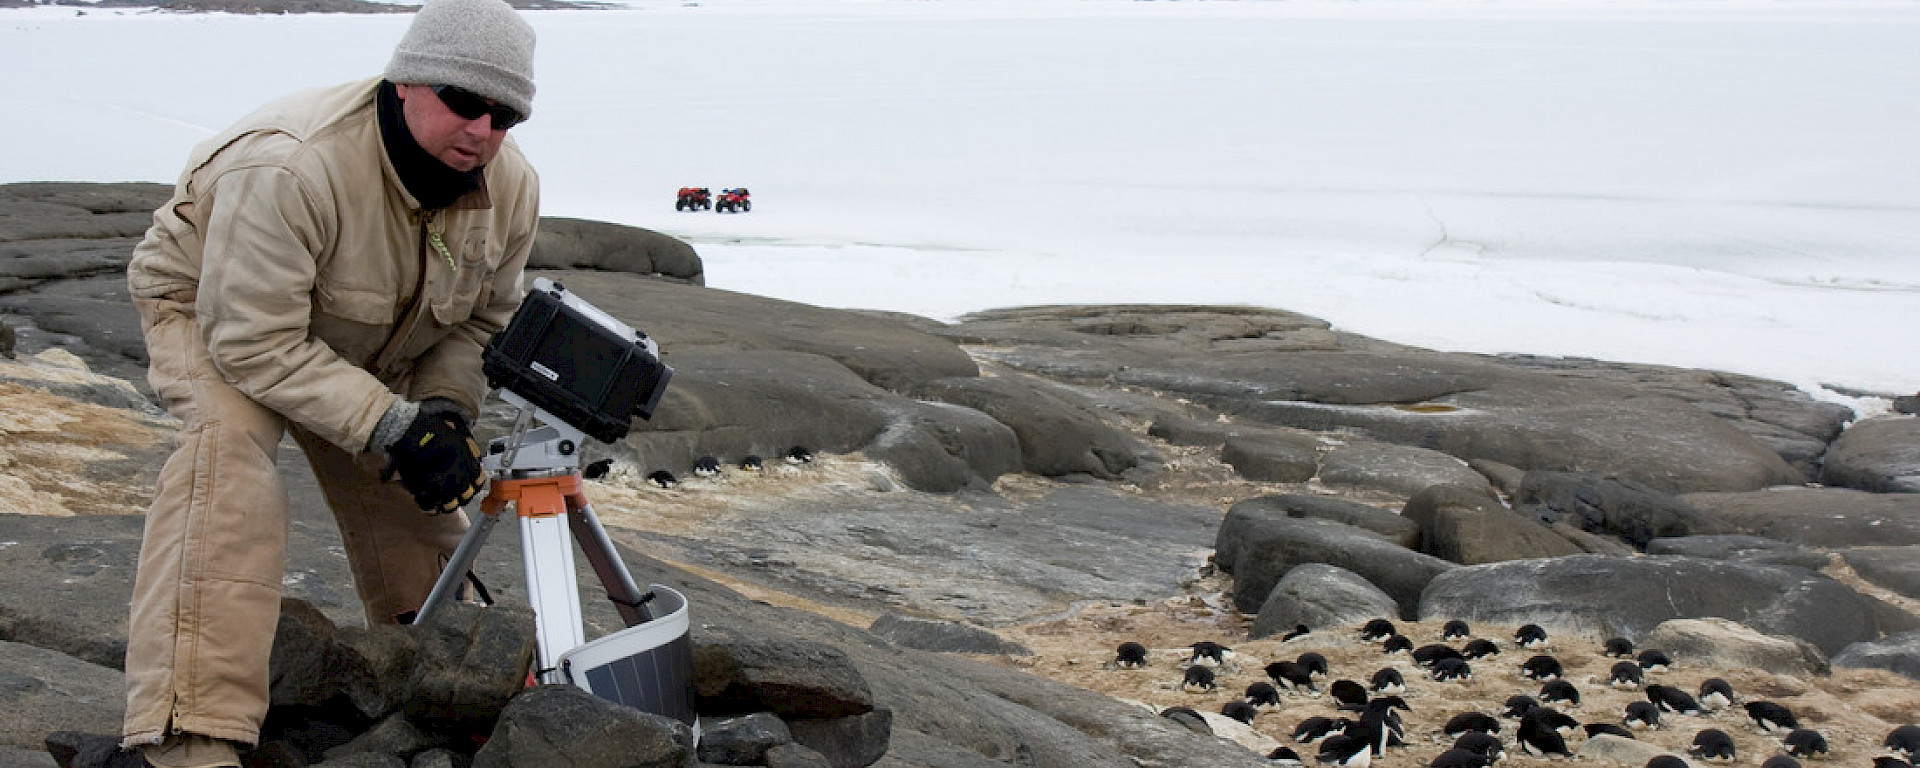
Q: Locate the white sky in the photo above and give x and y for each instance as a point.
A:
(1729, 184)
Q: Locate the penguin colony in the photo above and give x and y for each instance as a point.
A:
(1356, 714)
(703, 467)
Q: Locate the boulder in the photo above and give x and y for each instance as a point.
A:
(738, 674)
(942, 636)
(1058, 436)
(741, 740)
(1467, 525)
(563, 243)
(1826, 518)
(564, 725)
(1893, 568)
(1630, 596)
(1734, 546)
(1389, 524)
(1260, 546)
(1272, 456)
(1896, 653)
(42, 691)
(1607, 748)
(1880, 455)
(1632, 511)
(1320, 595)
(1401, 469)
(1727, 644)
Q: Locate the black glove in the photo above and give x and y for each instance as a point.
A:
(437, 461)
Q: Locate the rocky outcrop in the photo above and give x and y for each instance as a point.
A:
(1724, 644)
(1896, 653)
(1468, 525)
(1320, 595)
(1259, 546)
(1818, 517)
(1880, 455)
(1631, 511)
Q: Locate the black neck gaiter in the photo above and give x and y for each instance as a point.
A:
(430, 181)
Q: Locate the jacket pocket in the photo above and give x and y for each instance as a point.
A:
(477, 264)
(354, 322)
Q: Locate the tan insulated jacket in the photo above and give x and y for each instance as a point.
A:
(303, 254)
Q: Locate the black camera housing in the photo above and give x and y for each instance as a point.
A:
(579, 364)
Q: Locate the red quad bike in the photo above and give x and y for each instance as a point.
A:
(733, 201)
(693, 199)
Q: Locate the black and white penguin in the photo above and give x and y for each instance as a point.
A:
(1377, 631)
(663, 478)
(706, 466)
(799, 455)
(1315, 663)
(1455, 630)
(1291, 676)
(1285, 757)
(1804, 742)
(1345, 750)
(1388, 680)
(1607, 729)
(1626, 676)
(1540, 739)
(1889, 761)
(1479, 648)
(1242, 711)
(1396, 644)
(1716, 694)
(1712, 745)
(1671, 699)
(1210, 653)
(752, 463)
(1130, 655)
(1618, 648)
(1378, 729)
(1379, 714)
(1654, 660)
(1668, 761)
(1780, 761)
(1560, 722)
(1316, 728)
(1470, 721)
(1198, 679)
(1904, 741)
(1451, 670)
(1263, 695)
(1299, 630)
(1541, 667)
(1559, 693)
(1350, 694)
(595, 470)
(1642, 715)
(1518, 705)
(1771, 717)
(1426, 655)
(1456, 757)
(1530, 636)
(1483, 743)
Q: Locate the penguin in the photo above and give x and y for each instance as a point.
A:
(1617, 648)
(1716, 694)
(1388, 680)
(1396, 644)
(1315, 729)
(1350, 694)
(1771, 717)
(1904, 741)
(1641, 715)
(1315, 663)
(1426, 655)
(799, 455)
(752, 463)
(1518, 705)
(1541, 667)
(1626, 676)
(1712, 745)
(1455, 630)
(1263, 695)
(1299, 630)
(1471, 721)
(1239, 710)
(1889, 761)
(1452, 670)
(595, 470)
(1559, 693)
(1608, 729)
(1539, 739)
(1198, 679)
(1483, 743)
(1654, 660)
(1346, 751)
(1460, 758)
(1376, 730)
(1478, 648)
(1379, 714)
(1291, 676)
(1377, 631)
(1209, 652)
(663, 479)
(1805, 742)
(1668, 761)
(706, 466)
(1780, 761)
(1285, 757)
(1558, 721)
(1130, 655)
(1530, 636)
(1671, 699)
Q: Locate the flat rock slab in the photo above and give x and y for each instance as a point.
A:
(1828, 518)
(1894, 568)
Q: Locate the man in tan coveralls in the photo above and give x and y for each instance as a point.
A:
(329, 267)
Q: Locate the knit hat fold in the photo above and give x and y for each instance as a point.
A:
(480, 45)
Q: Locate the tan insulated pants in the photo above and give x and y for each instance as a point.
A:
(206, 597)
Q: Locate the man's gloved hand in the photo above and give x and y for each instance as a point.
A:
(436, 457)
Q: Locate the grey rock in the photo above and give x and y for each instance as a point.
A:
(796, 679)
(1894, 568)
(1608, 749)
(1896, 653)
(1182, 430)
(1504, 477)
(1401, 469)
(49, 577)
(1726, 644)
(742, 740)
(1058, 435)
(21, 757)
(942, 636)
(1189, 719)
(853, 741)
(1757, 549)
(1278, 457)
(1630, 596)
(471, 662)
(1320, 595)
(564, 725)
(1630, 510)
(1265, 545)
(1469, 526)
(563, 243)
(43, 691)
(1881, 455)
(440, 758)
(1828, 518)
(796, 756)
(942, 448)
(1592, 543)
(363, 760)
(395, 736)
(1389, 524)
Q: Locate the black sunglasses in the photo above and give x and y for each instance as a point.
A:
(471, 106)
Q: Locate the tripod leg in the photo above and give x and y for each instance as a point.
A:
(455, 573)
(551, 590)
(626, 596)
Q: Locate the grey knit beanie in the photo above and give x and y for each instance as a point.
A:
(480, 45)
